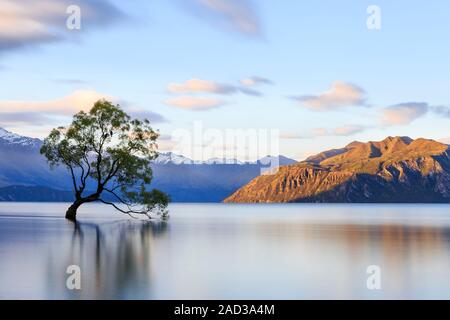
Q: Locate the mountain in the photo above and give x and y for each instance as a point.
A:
(23, 171)
(397, 169)
(9, 139)
(171, 158)
(22, 164)
(208, 181)
(280, 160)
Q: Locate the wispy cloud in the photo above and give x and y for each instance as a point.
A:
(341, 94)
(33, 112)
(193, 86)
(20, 118)
(195, 103)
(190, 89)
(348, 130)
(236, 15)
(20, 113)
(68, 105)
(149, 115)
(403, 113)
(201, 86)
(442, 111)
(254, 81)
(28, 22)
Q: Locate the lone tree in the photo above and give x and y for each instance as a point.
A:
(108, 155)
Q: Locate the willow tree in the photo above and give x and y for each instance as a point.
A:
(108, 156)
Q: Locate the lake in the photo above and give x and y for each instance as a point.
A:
(226, 251)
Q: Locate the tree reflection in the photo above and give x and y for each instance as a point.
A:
(115, 258)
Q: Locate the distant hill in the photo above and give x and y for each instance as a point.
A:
(34, 194)
(24, 171)
(209, 181)
(397, 169)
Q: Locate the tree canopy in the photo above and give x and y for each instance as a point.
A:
(108, 156)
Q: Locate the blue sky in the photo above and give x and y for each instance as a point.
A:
(320, 76)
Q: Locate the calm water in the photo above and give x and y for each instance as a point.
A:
(219, 251)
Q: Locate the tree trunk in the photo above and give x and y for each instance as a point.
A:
(71, 213)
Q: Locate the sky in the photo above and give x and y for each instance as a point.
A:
(298, 76)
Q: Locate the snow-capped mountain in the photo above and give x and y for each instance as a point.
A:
(13, 139)
(22, 164)
(169, 157)
(172, 158)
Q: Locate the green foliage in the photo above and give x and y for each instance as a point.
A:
(107, 146)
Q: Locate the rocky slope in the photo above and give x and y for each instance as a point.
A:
(397, 169)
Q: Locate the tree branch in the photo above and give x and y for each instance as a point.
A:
(88, 172)
(118, 197)
(112, 172)
(64, 160)
(129, 212)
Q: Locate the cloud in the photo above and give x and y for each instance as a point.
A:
(194, 103)
(68, 105)
(236, 15)
(193, 86)
(403, 113)
(150, 115)
(254, 81)
(247, 85)
(442, 111)
(28, 22)
(20, 118)
(250, 92)
(341, 94)
(445, 140)
(201, 86)
(197, 86)
(347, 130)
(32, 112)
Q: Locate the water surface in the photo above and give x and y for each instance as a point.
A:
(225, 251)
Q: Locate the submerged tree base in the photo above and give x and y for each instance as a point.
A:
(71, 213)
